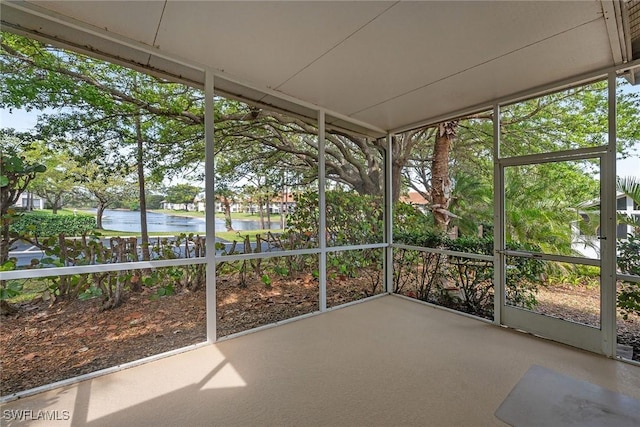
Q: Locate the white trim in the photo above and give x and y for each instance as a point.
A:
(481, 257)
(498, 223)
(265, 255)
(556, 329)
(628, 278)
(97, 268)
(554, 156)
(209, 191)
(554, 258)
(608, 228)
(357, 247)
(322, 209)
(388, 214)
(610, 20)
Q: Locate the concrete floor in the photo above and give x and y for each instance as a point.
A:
(385, 362)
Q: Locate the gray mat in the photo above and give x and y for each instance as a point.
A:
(546, 398)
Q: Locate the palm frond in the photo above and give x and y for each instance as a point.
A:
(630, 186)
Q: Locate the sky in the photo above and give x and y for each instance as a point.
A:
(22, 120)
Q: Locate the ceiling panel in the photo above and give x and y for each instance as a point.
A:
(263, 42)
(568, 54)
(137, 20)
(388, 64)
(415, 44)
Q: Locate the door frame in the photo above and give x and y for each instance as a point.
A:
(600, 340)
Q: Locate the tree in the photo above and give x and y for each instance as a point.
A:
(118, 113)
(183, 194)
(104, 186)
(15, 175)
(171, 118)
(226, 196)
(630, 186)
(56, 184)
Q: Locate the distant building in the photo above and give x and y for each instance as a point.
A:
(588, 244)
(29, 201)
(178, 206)
(416, 199)
(251, 206)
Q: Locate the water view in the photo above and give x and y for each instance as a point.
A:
(118, 220)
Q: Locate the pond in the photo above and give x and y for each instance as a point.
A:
(121, 220)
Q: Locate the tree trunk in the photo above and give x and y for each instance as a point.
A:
(227, 214)
(5, 308)
(4, 241)
(269, 213)
(440, 182)
(99, 213)
(141, 186)
(261, 212)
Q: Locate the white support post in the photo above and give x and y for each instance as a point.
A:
(388, 214)
(608, 227)
(322, 208)
(211, 315)
(498, 222)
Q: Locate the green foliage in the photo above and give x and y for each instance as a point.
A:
(407, 217)
(266, 280)
(432, 276)
(11, 290)
(182, 194)
(541, 202)
(153, 201)
(43, 224)
(351, 218)
(629, 263)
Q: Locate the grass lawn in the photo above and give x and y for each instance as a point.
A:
(71, 211)
(249, 217)
(234, 215)
(178, 213)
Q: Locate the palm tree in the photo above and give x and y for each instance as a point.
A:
(630, 186)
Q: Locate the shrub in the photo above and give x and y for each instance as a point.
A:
(433, 275)
(629, 263)
(44, 224)
(351, 218)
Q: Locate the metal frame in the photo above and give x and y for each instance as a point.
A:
(388, 214)
(608, 259)
(600, 340)
(322, 209)
(210, 211)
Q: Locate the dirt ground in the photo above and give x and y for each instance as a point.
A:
(41, 344)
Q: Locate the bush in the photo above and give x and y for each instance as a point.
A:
(351, 218)
(434, 276)
(44, 224)
(629, 263)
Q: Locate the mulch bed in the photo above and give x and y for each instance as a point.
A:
(42, 344)
(581, 304)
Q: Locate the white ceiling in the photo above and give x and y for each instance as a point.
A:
(385, 64)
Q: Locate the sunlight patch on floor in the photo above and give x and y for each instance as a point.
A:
(145, 383)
